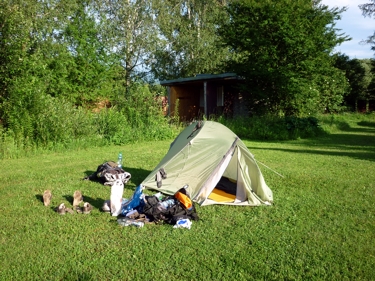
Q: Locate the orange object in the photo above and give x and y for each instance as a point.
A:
(185, 200)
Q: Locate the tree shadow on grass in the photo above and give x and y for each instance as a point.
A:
(353, 138)
(357, 155)
(366, 124)
(359, 130)
(365, 127)
(344, 141)
(347, 145)
(358, 143)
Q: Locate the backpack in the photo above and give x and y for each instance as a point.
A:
(109, 170)
(152, 210)
(178, 210)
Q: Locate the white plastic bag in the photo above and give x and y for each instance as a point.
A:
(183, 223)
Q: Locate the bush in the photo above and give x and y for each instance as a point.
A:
(144, 114)
(56, 124)
(60, 122)
(302, 127)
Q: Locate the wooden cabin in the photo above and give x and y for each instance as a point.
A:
(205, 95)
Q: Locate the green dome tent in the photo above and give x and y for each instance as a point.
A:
(216, 165)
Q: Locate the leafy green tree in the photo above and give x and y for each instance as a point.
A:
(34, 62)
(359, 75)
(189, 44)
(22, 66)
(283, 50)
(129, 34)
(369, 94)
(368, 82)
(368, 10)
(89, 71)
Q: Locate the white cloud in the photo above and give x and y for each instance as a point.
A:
(354, 24)
(342, 3)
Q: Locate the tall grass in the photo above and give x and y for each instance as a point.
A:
(57, 125)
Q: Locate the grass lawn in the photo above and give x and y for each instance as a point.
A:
(321, 226)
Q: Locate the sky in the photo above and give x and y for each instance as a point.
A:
(354, 24)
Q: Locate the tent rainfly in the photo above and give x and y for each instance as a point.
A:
(216, 165)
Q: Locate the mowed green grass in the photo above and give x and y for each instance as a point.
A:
(320, 227)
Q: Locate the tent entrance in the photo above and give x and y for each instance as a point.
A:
(231, 187)
(225, 191)
(232, 181)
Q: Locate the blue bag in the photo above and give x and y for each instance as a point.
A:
(136, 201)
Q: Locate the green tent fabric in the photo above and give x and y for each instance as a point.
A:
(208, 156)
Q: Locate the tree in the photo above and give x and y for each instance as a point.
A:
(283, 51)
(25, 31)
(189, 44)
(368, 9)
(89, 73)
(37, 62)
(359, 75)
(129, 34)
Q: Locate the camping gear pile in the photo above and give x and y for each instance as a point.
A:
(177, 209)
(157, 209)
(216, 164)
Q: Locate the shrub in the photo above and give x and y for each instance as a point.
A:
(60, 122)
(144, 114)
(55, 124)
